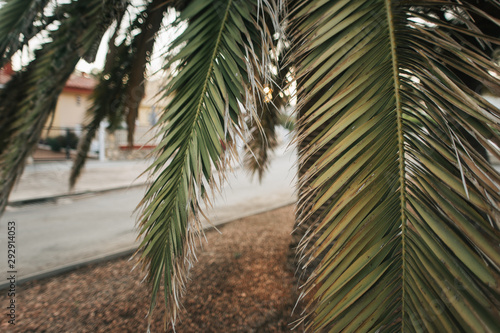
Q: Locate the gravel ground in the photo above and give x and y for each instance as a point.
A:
(243, 282)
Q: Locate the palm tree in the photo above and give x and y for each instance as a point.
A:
(398, 205)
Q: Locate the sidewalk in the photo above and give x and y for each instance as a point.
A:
(41, 181)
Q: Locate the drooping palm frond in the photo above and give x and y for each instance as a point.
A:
(143, 47)
(207, 92)
(261, 139)
(405, 212)
(107, 99)
(29, 98)
(261, 135)
(17, 25)
(121, 82)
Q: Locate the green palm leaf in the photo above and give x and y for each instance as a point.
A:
(207, 92)
(17, 18)
(261, 135)
(121, 82)
(403, 211)
(261, 140)
(143, 48)
(107, 99)
(30, 97)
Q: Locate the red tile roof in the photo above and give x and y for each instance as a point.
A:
(4, 78)
(5, 73)
(75, 83)
(80, 82)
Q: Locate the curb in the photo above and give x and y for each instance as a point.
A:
(126, 251)
(71, 267)
(54, 198)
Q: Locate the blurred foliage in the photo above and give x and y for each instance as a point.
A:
(62, 141)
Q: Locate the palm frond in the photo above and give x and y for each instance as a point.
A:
(121, 82)
(270, 76)
(17, 25)
(403, 212)
(143, 47)
(261, 139)
(31, 95)
(207, 92)
(261, 134)
(107, 99)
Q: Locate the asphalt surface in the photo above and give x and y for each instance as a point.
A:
(78, 229)
(48, 180)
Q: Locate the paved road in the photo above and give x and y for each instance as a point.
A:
(53, 234)
(41, 180)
